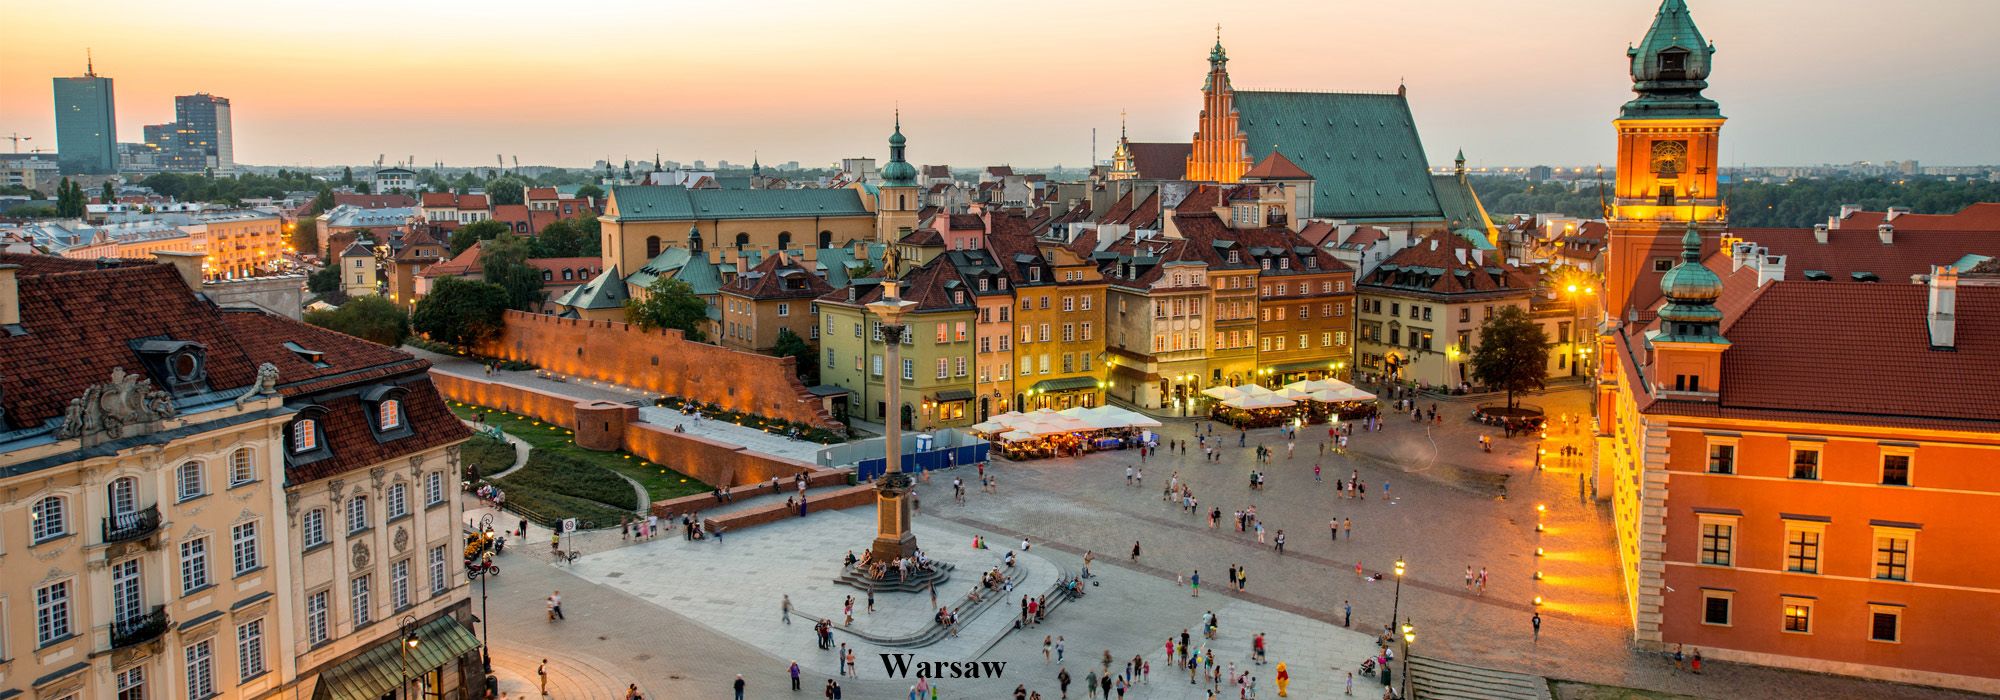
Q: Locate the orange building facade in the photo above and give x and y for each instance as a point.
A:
(1801, 470)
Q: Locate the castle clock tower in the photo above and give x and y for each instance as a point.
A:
(1667, 141)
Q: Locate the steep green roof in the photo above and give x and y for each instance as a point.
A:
(1460, 204)
(1361, 149)
(669, 203)
(704, 276)
(1671, 89)
(836, 263)
(606, 291)
(665, 263)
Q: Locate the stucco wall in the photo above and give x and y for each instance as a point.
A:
(659, 361)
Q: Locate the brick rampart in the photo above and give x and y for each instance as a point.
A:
(533, 403)
(659, 361)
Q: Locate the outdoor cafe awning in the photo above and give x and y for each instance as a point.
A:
(1309, 366)
(1064, 384)
(955, 395)
(1255, 402)
(381, 668)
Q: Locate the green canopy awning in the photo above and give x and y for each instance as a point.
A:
(377, 671)
(955, 395)
(1066, 384)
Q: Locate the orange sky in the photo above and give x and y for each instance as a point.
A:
(1516, 82)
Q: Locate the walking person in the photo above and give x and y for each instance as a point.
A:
(542, 674)
(785, 609)
(1135, 550)
(795, 675)
(1537, 622)
(1347, 613)
(555, 606)
(1194, 582)
(739, 686)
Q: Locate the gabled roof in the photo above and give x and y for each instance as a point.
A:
(1980, 216)
(778, 277)
(466, 263)
(703, 276)
(1362, 150)
(1433, 266)
(670, 259)
(1276, 167)
(1847, 251)
(605, 291)
(1460, 205)
(667, 203)
(1160, 161)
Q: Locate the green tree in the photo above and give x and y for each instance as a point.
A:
(347, 175)
(590, 192)
(325, 280)
(109, 194)
(69, 199)
(362, 187)
(33, 211)
(460, 312)
(372, 318)
(304, 236)
(1513, 353)
(803, 358)
(324, 202)
(474, 232)
(669, 303)
(504, 261)
(569, 238)
(505, 190)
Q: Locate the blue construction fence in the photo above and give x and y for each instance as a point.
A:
(941, 449)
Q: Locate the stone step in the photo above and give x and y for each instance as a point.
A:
(1444, 680)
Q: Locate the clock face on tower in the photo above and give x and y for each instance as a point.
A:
(1669, 158)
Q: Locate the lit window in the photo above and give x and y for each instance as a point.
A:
(389, 415)
(305, 435)
(1798, 615)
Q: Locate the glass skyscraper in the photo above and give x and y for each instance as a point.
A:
(86, 127)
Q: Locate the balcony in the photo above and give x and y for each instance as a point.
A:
(139, 629)
(125, 527)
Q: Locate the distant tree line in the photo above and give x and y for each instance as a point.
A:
(1794, 204)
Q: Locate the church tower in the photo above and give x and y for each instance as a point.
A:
(1668, 136)
(1688, 348)
(1123, 167)
(897, 200)
(1220, 152)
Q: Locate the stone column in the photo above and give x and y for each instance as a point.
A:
(893, 538)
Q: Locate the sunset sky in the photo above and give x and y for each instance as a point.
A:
(1514, 83)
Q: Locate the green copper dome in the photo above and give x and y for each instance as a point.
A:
(899, 172)
(1670, 68)
(1691, 290)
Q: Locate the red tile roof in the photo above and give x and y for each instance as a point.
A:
(466, 263)
(1160, 161)
(1433, 266)
(1846, 251)
(779, 276)
(1277, 167)
(1982, 216)
(348, 430)
(539, 193)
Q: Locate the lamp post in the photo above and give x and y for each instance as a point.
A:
(409, 644)
(1409, 637)
(1397, 609)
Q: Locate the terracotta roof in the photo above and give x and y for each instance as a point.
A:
(923, 236)
(436, 200)
(777, 277)
(930, 286)
(586, 267)
(1982, 216)
(1320, 233)
(1866, 348)
(999, 170)
(262, 337)
(937, 171)
(539, 193)
(1433, 266)
(50, 264)
(966, 222)
(1276, 167)
(348, 430)
(1847, 251)
(1160, 161)
(466, 263)
(472, 201)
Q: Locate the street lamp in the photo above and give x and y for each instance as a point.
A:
(1397, 609)
(1409, 637)
(408, 626)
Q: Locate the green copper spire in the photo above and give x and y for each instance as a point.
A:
(1691, 290)
(1670, 68)
(898, 173)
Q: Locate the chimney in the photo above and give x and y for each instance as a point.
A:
(1819, 233)
(1168, 227)
(1943, 306)
(1771, 268)
(1895, 212)
(1847, 210)
(1739, 254)
(188, 263)
(1887, 232)
(10, 297)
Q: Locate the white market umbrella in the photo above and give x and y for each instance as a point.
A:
(1222, 393)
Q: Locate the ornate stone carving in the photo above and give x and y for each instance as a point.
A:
(416, 466)
(893, 334)
(376, 474)
(401, 540)
(360, 558)
(266, 384)
(337, 490)
(105, 411)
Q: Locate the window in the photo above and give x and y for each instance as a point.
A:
(438, 582)
(312, 528)
(243, 547)
(1802, 547)
(389, 415)
(242, 467)
(909, 369)
(52, 613)
(1086, 328)
(876, 364)
(1083, 361)
(357, 514)
(1086, 302)
(1718, 541)
(1069, 303)
(942, 334)
(1326, 339)
(1715, 607)
(1663, 264)
(1896, 469)
(358, 599)
(1892, 553)
(1068, 363)
(943, 368)
(434, 486)
(1885, 623)
(399, 500)
(305, 435)
(1044, 335)
(1069, 332)
(51, 519)
(784, 309)
(1721, 458)
(128, 597)
(399, 584)
(958, 331)
(201, 669)
(250, 650)
(1805, 463)
(132, 683)
(188, 481)
(316, 628)
(194, 565)
(1798, 615)
(958, 366)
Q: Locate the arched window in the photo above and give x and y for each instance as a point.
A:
(188, 481)
(50, 519)
(242, 468)
(357, 514)
(652, 246)
(826, 239)
(389, 415)
(122, 495)
(742, 241)
(305, 435)
(784, 240)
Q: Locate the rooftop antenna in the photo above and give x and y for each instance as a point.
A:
(1602, 208)
(89, 64)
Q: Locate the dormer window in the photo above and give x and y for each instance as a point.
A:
(1034, 274)
(1673, 61)
(178, 365)
(1284, 263)
(1234, 257)
(305, 435)
(389, 415)
(384, 405)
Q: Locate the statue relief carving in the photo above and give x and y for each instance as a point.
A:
(104, 411)
(337, 489)
(266, 384)
(416, 466)
(360, 558)
(376, 475)
(401, 540)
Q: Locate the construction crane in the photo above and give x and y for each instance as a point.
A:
(517, 165)
(379, 157)
(17, 138)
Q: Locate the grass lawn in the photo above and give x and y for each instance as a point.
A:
(661, 482)
(487, 455)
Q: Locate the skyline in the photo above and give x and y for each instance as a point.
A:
(1513, 84)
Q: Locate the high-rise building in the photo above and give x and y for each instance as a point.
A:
(202, 122)
(86, 127)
